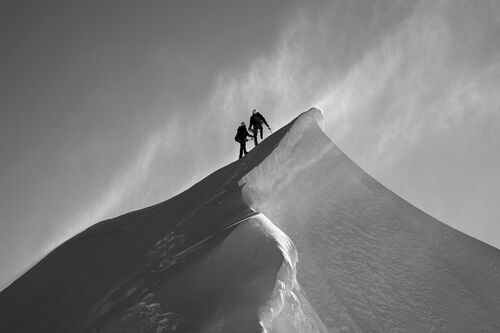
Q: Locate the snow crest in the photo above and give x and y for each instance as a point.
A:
(286, 305)
(286, 281)
(283, 164)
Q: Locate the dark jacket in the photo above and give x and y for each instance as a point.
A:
(256, 121)
(242, 134)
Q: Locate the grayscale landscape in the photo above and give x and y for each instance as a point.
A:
(258, 166)
(294, 237)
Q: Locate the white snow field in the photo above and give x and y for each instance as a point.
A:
(294, 237)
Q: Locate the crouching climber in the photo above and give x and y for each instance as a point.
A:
(241, 137)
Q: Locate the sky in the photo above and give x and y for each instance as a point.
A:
(111, 106)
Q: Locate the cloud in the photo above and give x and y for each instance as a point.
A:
(124, 190)
(396, 82)
(405, 83)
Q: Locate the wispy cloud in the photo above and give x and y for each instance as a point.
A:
(404, 83)
(126, 185)
(378, 103)
(413, 76)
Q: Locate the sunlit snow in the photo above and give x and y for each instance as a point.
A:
(294, 237)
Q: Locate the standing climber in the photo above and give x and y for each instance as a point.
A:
(241, 137)
(256, 121)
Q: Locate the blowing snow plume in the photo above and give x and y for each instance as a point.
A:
(294, 237)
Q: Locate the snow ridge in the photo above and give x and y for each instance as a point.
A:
(369, 260)
(285, 302)
(275, 171)
(286, 280)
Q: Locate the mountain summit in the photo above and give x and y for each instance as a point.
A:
(294, 237)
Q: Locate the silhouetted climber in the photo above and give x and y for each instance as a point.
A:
(256, 121)
(241, 137)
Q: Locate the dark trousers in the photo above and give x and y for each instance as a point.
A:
(255, 132)
(243, 148)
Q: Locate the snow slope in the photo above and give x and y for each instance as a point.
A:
(292, 238)
(368, 260)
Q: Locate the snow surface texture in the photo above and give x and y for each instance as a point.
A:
(294, 237)
(368, 260)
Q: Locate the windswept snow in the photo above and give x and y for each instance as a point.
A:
(286, 311)
(368, 260)
(292, 238)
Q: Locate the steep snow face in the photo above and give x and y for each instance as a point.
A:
(287, 310)
(202, 261)
(368, 260)
(292, 238)
(285, 162)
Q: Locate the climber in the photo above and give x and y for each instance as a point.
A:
(241, 137)
(256, 121)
